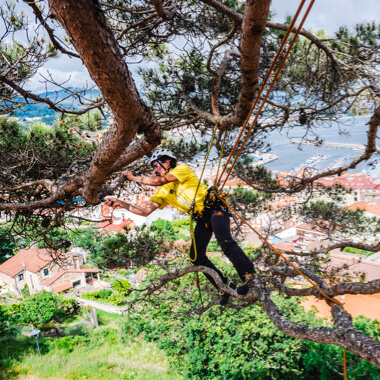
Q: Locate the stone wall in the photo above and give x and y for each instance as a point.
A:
(72, 277)
(102, 306)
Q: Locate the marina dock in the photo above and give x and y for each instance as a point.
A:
(336, 145)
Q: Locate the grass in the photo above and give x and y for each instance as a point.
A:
(137, 360)
(96, 356)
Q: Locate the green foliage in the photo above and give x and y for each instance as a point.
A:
(95, 354)
(89, 239)
(181, 223)
(232, 345)
(7, 245)
(69, 343)
(106, 295)
(54, 149)
(5, 318)
(36, 310)
(213, 246)
(330, 216)
(163, 228)
(40, 308)
(129, 250)
(122, 272)
(179, 236)
(121, 286)
(325, 360)
(25, 291)
(357, 251)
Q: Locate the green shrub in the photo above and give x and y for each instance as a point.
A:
(102, 294)
(25, 291)
(105, 293)
(179, 236)
(357, 251)
(116, 299)
(122, 272)
(106, 334)
(121, 286)
(69, 343)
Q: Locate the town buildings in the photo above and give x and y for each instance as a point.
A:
(38, 269)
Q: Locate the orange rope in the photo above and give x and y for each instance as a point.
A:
(271, 86)
(267, 76)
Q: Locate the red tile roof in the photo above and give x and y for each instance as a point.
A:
(370, 207)
(62, 287)
(31, 259)
(114, 227)
(310, 227)
(356, 182)
(284, 246)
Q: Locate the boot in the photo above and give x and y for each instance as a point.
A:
(225, 296)
(243, 289)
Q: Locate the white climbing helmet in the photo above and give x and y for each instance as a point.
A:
(158, 153)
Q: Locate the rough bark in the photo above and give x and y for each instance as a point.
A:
(252, 30)
(87, 28)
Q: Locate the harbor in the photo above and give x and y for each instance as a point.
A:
(357, 147)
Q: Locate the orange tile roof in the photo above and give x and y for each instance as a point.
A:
(31, 259)
(284, 246)
(284, 202)
(310, 227)
(62, 287)
(370, 207)
(357, 182)
(114, 227)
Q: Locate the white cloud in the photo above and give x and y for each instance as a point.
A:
(329, 15)
(79, 79)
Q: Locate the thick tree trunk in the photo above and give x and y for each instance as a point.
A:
(252, 30)
(86, 26)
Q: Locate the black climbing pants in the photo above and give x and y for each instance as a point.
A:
(218, 221)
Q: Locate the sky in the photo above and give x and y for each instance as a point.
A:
(325, 14)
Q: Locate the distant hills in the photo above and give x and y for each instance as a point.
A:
(31, 113)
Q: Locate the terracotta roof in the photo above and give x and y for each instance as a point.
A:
(284, 246)
(114, 227)
(310, 227)
(370, 207)
(83, 269)
(283, 203)
(31, 259)
(357, 182)
(62, 287)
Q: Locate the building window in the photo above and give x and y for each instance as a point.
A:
(76, 283)
(46, 272)
(21, 277)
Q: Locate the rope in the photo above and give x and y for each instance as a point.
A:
(267, 76)
(271, 86)
(220, 159)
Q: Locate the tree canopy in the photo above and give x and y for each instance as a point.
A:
(201, 62)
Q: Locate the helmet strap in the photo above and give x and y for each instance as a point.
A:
(163, 167)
